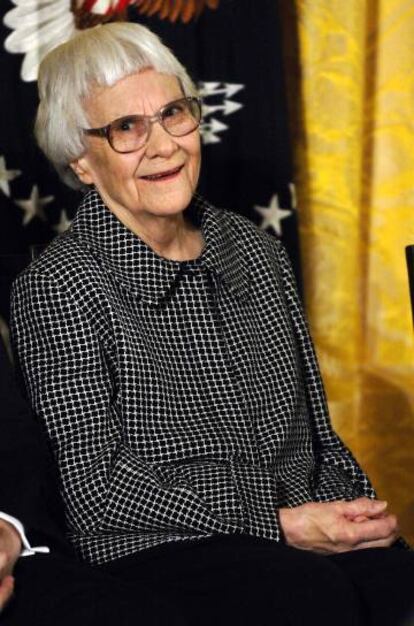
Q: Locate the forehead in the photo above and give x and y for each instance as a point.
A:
(143, 93)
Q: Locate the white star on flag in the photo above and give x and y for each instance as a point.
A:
(33, 206)
(63, 223)
(6, 176)
(273, 215)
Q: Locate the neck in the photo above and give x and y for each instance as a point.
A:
(171, 237)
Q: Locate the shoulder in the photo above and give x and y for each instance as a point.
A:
(63, 263)
(262, 254)
(65, 280)
(250, 240)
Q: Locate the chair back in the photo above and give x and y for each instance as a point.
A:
(409, 254)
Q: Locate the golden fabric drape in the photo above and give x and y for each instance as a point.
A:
(355, 175)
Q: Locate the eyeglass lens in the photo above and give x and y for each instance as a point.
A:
(178, 118)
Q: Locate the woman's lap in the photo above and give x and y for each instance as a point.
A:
(242, 580)
(384, 579)
(51, 590)
(222, 581)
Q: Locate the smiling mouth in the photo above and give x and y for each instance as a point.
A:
(168, 175)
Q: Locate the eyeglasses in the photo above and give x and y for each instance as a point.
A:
(130, 133)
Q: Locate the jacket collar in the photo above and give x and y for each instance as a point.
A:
(138, 268)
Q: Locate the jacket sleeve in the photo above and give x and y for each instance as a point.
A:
(28, 484)
(337, 474)
(106, 487)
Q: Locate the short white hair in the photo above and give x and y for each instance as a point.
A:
(99, 56)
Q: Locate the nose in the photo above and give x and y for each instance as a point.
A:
(160, 143)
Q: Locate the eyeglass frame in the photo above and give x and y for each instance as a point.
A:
(104, 131)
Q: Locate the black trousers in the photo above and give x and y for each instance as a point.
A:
(219, 581)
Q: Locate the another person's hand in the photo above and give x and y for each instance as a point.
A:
(333, 527)
(10, 548)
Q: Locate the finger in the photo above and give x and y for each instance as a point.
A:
(3, 563)
(373, 530)
(364, 518)
(380, 543)
(382, 515)
(6, 590)
(363, 506)
(360, 518)
(6, 565)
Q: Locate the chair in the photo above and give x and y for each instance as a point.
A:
(409, 253)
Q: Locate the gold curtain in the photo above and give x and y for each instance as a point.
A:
(355, 175)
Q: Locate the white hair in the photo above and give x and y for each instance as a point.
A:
(99, 56)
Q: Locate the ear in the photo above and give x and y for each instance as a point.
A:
(83, 170)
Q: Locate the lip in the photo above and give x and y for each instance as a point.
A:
(164, 176)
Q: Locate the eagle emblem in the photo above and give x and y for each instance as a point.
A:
(38, 26)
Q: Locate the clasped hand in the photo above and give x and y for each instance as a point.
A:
(10, 548)
(333, 527)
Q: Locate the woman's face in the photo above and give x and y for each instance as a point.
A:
(121, 179)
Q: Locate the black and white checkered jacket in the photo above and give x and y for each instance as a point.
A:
(181, 399)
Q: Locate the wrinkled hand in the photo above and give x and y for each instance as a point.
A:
(333, 527)
(10, 548)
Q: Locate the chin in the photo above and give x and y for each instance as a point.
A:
(172, 205)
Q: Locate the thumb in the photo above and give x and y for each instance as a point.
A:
(6, 590)
(3, 564)
(364, 506)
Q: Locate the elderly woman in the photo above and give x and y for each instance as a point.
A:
(164, 349)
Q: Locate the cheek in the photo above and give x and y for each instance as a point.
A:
(126, 167)
(195, 157)
(114, 166)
